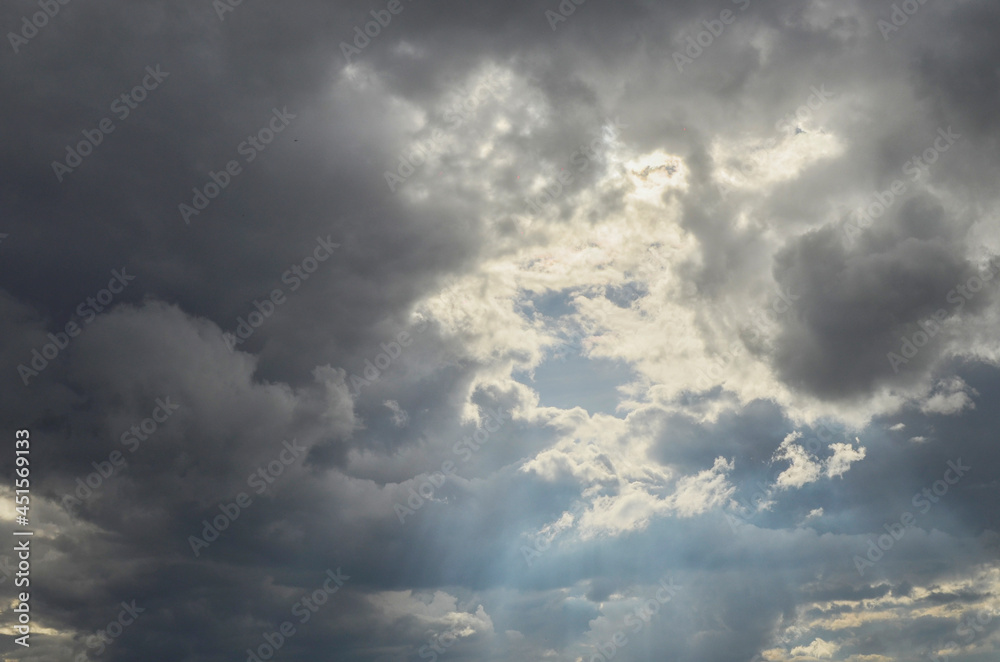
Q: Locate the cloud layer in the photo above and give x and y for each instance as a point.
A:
(543, 330)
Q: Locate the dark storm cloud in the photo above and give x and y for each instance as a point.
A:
(857, 304)
(122, 202)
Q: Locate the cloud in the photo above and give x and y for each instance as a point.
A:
(707, 489)
(660, 280)
(805, 468)
(817, 649)
(951, 397)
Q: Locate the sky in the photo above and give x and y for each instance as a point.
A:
(397, 330)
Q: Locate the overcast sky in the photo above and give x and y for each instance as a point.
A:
(404, 330)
